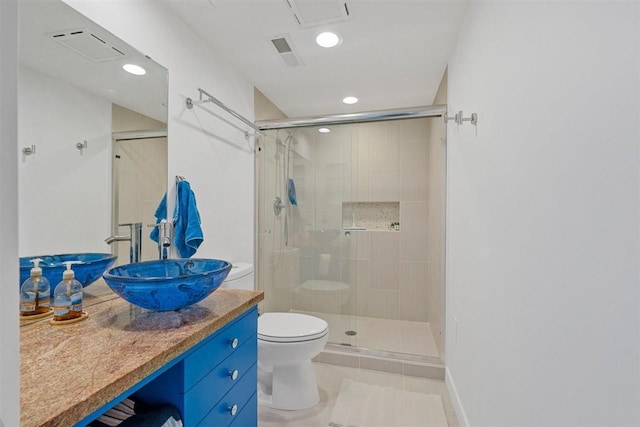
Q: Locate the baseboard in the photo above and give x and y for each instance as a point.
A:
(455, 399)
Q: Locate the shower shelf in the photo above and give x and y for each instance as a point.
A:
(372, 216)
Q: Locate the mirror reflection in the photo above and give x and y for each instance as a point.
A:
(91, 136)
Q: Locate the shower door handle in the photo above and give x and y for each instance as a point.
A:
(277, 205)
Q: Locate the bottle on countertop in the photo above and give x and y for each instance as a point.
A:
(67, 296)
(35, 292)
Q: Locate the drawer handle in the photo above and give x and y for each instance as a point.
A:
(233, 343)
(233, 410)
(233, 374)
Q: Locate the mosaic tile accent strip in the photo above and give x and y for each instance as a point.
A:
(371, 215)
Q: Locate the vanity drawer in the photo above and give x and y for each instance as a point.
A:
(206, 393)
(248, 417)
(225, 342)
(241, 397)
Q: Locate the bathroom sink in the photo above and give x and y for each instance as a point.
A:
(168, 284)
(88, 267)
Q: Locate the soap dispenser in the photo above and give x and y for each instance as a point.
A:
(35, 292)
(67, 297)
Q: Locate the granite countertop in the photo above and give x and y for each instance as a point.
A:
(69, 371)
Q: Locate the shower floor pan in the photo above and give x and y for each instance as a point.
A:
(395, 346)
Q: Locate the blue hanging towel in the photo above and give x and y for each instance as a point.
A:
(188, 234)
(160, 214)
(291, 191)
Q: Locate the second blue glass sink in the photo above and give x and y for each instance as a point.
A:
(88, 267)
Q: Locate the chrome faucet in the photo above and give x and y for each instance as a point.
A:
(134, 237)
(165, 231)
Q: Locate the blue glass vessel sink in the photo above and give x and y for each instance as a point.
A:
(88, 267)
(168, 284)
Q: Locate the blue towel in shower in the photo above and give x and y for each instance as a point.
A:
(291, 191)
(160, 214)
(188, 234)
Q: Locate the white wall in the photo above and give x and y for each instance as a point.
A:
(209, 152)
(542, 222)
(9, 355)
(66, 192)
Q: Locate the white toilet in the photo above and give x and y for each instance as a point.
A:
(240, 277)
(286, 344)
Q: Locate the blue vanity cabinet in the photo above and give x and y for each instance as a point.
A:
(212, 384)
(215, 379)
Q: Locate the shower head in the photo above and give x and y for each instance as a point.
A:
(290, 139)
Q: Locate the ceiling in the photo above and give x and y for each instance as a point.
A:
(393, 53)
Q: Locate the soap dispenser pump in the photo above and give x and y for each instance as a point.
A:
(35, 292)
(67, 297)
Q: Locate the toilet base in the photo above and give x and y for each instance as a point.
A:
(288, 387)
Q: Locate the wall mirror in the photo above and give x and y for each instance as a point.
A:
(91, 136)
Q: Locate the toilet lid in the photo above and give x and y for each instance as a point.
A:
(290, 327)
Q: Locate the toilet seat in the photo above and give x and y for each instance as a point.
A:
(290, 327)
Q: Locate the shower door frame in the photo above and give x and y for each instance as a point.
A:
(361, 117)
(117, 137)
(439, 110)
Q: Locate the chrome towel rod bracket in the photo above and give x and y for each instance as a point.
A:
(459, 118)
(207, 97)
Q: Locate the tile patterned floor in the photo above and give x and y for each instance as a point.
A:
(329, 381)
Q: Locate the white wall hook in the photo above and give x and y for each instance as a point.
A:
(27, 151)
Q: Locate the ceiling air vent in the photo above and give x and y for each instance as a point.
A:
(313, 13)
(88, 45)
(287, 54)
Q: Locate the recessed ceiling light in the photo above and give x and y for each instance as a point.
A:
(328, 39)
(134, 69)
(350, 100)
(324, 130)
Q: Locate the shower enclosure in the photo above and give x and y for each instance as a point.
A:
(350, 228)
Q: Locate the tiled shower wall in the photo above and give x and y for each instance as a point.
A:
(325, 183)
(395, 277)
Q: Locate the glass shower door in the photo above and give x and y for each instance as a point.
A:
(304, 255)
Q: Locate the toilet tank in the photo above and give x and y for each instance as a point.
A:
(240, 276)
